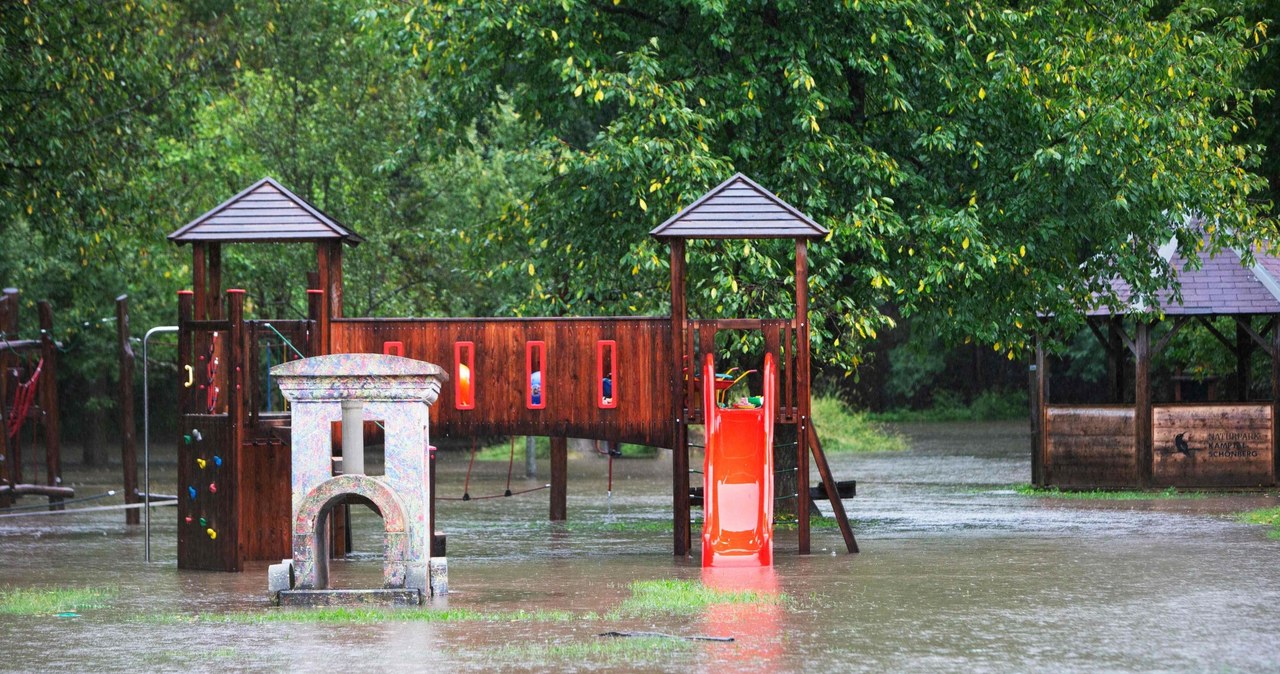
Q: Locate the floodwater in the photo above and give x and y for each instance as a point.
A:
(957, 573)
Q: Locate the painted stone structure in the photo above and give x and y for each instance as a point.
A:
(395, 392)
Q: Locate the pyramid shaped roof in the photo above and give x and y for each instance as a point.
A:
(1222, 285)
(739, 208)
(265, 211)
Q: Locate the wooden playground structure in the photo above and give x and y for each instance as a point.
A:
(507, 376)
(29, 406)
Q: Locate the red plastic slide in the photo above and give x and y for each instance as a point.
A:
(737, 527)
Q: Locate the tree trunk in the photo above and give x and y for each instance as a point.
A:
(95, 430)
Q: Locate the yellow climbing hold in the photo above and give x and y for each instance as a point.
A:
(202, 463)
(213, 535)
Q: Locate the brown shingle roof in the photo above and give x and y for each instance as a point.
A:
(264, 212)
(739, 208)
(1222, 286)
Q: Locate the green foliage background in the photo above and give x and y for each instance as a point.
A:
(979, 164)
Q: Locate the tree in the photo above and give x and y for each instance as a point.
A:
(979, 165)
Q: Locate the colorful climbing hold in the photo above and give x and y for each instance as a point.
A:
(188, 518)
(202, 463)
(217, 460)
(203, 522)
(191, 491)
(213, 488)
(213, 535)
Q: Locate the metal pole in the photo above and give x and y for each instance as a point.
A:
(146, 441)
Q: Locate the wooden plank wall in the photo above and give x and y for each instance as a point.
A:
(216, 504)
(644, 384)
(1216, 445)
(1089, 447)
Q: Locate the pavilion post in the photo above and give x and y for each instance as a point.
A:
(1275, 397)
(1115, 359)
(1244, 358)
(1142, 450)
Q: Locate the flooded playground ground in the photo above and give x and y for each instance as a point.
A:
(958, 573)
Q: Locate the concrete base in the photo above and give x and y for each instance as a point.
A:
(397, 597)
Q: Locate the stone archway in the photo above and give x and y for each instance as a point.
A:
(310, 544)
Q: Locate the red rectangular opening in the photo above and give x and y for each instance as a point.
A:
(607, 374)
(535, 361)
(393, 349)
(464, 372)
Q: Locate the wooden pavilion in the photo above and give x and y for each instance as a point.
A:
(1161, 441)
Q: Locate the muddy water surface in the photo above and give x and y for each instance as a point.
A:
(957, 573)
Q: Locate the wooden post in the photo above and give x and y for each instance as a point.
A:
(9, 326)
(1116, 360)
(233, 554)
(1037, 376)
(334, 291)
(559, 478)
(128, 431)
(315, 297)
(1275, 399)
(1142, 404)
(213, 279)
(680, 368)
(198, 281)
(802, 396)
(49, 401)
(186, 358)
(1244, 357)
(322, 321)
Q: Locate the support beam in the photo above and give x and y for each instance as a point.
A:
(49, 401)
(1275, 401)
(1244, 358)
(833, 492)
(128, 430)
(213, 277)
(1116, 360)
(681, 536)
(1038, 383)
(802, 395)
(559, 478)
(199, 277)
(1142, 405)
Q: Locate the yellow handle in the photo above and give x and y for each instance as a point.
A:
(191, 376)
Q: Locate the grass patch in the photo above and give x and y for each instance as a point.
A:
(1107, 495)
(843, 431)
(601, 651)
(49, 602)
(368, 615)
(947, 406)
(788, 522)
(619, 526)
(1269, 517)
(682, 597)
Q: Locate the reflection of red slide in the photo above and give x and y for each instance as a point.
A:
(737, 527)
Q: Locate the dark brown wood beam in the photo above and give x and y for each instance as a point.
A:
(1142, 405)
(128, 429)
(48, 395)
(682, 370)
(559, 478)
(1164, 341)
(1243, 323)
(802, 395)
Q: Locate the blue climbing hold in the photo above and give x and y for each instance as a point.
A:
(217, 461)
(191, 491)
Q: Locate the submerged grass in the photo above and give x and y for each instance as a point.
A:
(1269, 517)
(682, 597)
(363, 615)
(632, 652)
(1107, 495)
(845, 431)
(52, 601)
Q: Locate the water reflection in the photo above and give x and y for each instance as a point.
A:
(756, 627)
